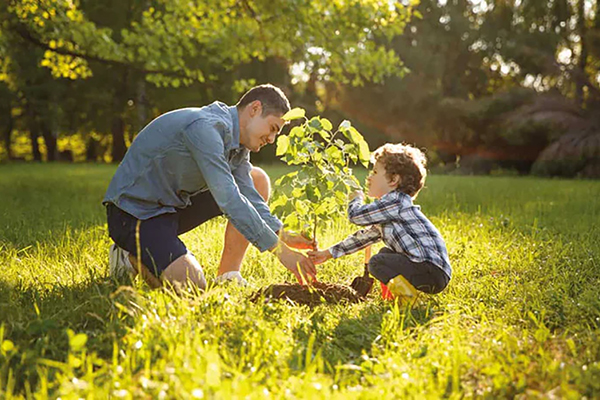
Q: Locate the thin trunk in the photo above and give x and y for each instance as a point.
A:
(594, 94)
(50, 140)
(35, 147)
(118, 123)
(91, 151)
(118, 133)
(34, 132)
(142, 104)
(580, 82)
(119, 148)
(8, 132)
(314, 237)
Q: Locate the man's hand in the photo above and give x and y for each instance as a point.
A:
(300, 265)
(319, 257)
(298, 241)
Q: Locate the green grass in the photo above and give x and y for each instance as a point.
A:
(520, 318)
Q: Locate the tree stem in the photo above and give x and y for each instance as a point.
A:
(315, 228)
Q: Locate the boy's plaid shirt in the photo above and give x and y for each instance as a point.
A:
(402, 226)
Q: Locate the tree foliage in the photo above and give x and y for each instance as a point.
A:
(476, 66)
(108, 57)
(177, 42)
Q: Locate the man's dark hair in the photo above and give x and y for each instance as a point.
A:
(272, 98)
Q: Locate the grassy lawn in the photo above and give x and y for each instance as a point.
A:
(520, 317)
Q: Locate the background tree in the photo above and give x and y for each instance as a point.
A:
(179, 43)
(492, 84)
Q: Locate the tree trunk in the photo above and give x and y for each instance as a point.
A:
(118, 123)
(118, 134)
(142, 104)
(50, 140)
(91, 151)
(33, 125)
(8, 132)
(35, 147)
(580, 81)
(597, 19)
(595, 97)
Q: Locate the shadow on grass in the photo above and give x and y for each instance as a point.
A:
(36, 321)
(354, 336)
(44, 202)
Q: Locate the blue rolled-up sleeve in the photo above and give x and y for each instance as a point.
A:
(206, 146)
(246, 184)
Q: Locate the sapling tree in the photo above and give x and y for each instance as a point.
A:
(318, 189)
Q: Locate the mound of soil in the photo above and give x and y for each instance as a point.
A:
(314, 295)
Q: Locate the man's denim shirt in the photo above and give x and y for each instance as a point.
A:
(184, 152)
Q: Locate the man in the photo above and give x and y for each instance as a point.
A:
(188, 166)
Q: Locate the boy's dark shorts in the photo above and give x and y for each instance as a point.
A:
(159, 236)
(424, 276)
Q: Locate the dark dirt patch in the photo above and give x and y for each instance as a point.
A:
(314, 295)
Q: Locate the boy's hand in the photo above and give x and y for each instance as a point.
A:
(355, 194)
(319, 257)
(298, 241)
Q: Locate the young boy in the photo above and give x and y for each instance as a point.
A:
(415, 251)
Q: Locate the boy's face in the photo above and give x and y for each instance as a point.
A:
(378, 183)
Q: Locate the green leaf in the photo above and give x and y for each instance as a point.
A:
(352, 182)
(279, 201)
(349, 148)
(291, 221)
(334, 153)
(354, 136)
(345, 125)
(7, 346)
(294, 113)
(326, 208)
(297, 192)
(283, 209)
(326, 124)
(296, 131)
(313, 194)
(315, 124)
(285, 179)
(364, 154)
(301, 207)
(283, 142)
(324, 134)
(77, 342)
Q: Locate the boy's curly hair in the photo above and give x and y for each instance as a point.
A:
(405, 160)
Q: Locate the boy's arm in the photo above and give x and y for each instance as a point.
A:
(357, 241)
(377, 212)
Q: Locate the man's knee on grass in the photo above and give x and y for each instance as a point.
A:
(184, 271)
